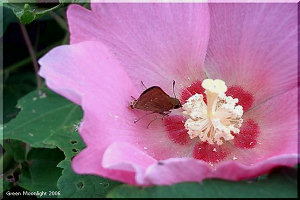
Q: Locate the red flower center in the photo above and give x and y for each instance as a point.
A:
(247, 138)
(213, 153)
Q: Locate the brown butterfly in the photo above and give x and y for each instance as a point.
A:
(156, 100)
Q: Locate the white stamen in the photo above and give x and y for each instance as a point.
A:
(234, 158)
(213, 122)
(215, 150)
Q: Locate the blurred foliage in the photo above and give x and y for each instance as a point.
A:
(281, 183)
(27, 13)
(48, 120)
(18, 74)
(73, 185)
(16, 149)
(40, 172)
(26, 168)
(8, 17)
(45, 120)
(29, 10)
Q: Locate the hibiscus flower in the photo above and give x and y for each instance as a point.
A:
(235, 67)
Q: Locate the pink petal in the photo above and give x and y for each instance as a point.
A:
(70, 69)
(56, 70)
(254, 46)
(108, 119)
(123, 156)
(247, 1)
(104, 88)
(237, 171)
(89, 161)
(109, 124)
(88, 74)
(89, 70)
(176, 170)
(155, 43)
(277, 121)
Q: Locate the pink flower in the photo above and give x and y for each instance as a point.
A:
(251, 47)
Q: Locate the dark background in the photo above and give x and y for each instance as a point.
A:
(19, 77)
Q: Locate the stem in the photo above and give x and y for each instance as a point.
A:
(32, 55)
(66, 39)
(63, 14)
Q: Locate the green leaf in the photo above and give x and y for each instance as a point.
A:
(72, 185)
(16, 149)
(8, 17)
(44, 121)
(41, 174)
(7, 185)
(49, 120)
(68, 140)
(29, 11)
(16, 86)
(277, 185)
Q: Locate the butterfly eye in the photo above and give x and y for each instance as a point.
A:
(177, 106)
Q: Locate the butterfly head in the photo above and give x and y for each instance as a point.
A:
(176, 103)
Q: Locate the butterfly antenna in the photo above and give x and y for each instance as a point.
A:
(144, 85)
(173, 89)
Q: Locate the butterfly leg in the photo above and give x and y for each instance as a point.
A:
(151, 121)
(136, 120)
(165, 114)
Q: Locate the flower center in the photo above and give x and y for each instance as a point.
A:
(215, 121)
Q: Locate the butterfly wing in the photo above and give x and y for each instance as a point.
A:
(154, 99)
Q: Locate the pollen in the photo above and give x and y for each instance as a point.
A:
(217, 120)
